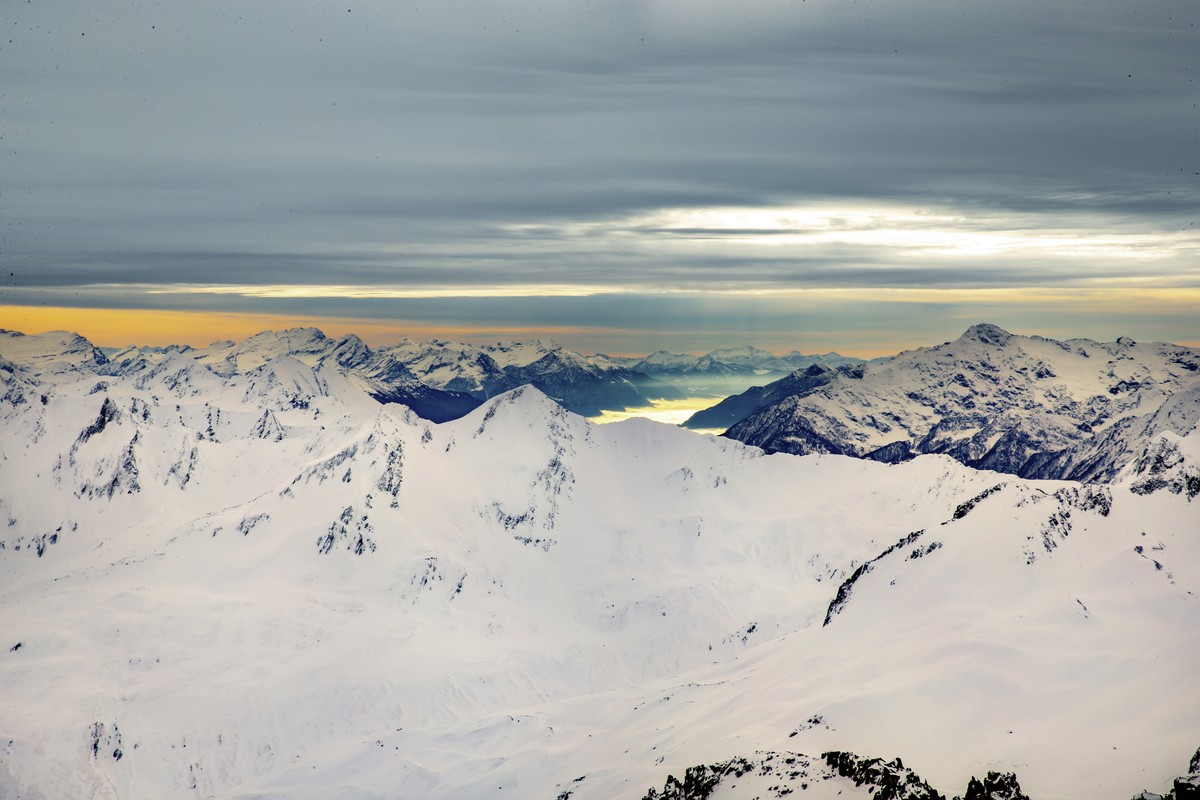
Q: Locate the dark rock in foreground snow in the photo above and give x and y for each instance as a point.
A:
(777, 775)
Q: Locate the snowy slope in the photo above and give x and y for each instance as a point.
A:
(266, 584)
(1024, 405)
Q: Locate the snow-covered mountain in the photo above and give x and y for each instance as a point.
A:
(241, 576)
(726, 372)
(1025, 405)
(729, 361)
(583, 384)
(739, 406)
(374, 372)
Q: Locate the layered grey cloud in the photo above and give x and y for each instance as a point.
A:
(650, 146)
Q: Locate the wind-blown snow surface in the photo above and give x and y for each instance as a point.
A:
(270, 585)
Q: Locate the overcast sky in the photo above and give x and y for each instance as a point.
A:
(626, 175)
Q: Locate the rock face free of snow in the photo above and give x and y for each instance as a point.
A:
(233, 573)
(1024, 405)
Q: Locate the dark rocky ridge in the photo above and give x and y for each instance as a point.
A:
(794, 773)
(771, 774)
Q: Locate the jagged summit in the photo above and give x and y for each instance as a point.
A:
(350, 351)
(987, 333)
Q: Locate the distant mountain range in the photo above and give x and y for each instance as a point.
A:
(589, 384)
(1025, 405)
(729, 361)
(442, 380)
(583, 384)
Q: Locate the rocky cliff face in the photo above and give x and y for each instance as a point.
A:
(834, 774)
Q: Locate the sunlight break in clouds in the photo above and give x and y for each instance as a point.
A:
(892, 228)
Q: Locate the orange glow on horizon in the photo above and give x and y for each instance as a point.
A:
(123, 327)
(106, 327)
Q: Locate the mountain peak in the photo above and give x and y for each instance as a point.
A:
(63, 349)
(350, 351)
(291, 337)
(987, 333)
(526, 407)
(523, 397)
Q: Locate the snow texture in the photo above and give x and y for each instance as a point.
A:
(233, 573)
